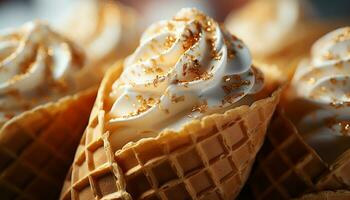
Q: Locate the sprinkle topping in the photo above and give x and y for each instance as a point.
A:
(38, 66)
(189, 65)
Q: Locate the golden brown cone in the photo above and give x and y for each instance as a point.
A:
(288, 167)
(37, 147)
(209, 158)
(327, 195)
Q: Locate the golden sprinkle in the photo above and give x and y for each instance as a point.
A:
(344, 125)
(169, 41)
(232, 82)
(190, 38)
(329, 56)
(152, 70)
(157, 80)
(231, 53)
(338, 105)
(311, 80)
(209, 26)
(176, 99)
(144, 105)
(343, 36)
(170, 26)
(200, 107)
(339, 65)
(333, 81)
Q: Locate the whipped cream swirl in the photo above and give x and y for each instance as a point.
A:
(185, 67)
(106, 29)
(36, 66)
(324, 81)
(267, 26)
(325, 78)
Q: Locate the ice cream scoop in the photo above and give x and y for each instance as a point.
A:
(185, 67)
(36, 66)
(44, 110)
(324, 81)
(308, 145)
(278, 32)
(106, 29)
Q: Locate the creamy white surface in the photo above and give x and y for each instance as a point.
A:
(266, 26)
(325, 77)
(324, 80)
(36, 66)
(179, 71)
(103, 27)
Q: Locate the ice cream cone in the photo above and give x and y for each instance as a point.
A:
(43, 110)
(288, 167)
(327, 195)
(280, 32)
(209, 158)
(37, 147)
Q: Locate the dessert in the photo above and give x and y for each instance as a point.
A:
(106, 29)
(278, 32)
(42, 112)
(179, 122)
(308, 145)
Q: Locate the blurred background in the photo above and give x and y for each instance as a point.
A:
(16, 12)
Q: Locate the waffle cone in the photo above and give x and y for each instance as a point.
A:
(37, 147)
(207, 159)
(327, 195)
(288, 167)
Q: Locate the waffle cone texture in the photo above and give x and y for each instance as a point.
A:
(209, 158)
(327, 195)
(37, 147)
(288, 167)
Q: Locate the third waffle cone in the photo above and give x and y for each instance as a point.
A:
(288, 167)
(209, 158)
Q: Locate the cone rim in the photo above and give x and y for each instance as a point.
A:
(48, 106)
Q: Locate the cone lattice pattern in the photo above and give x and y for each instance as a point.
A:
(37, 147)
(327, 195)
(208, 159)
(287, 167)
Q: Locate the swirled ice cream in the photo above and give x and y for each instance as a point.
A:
(106, 29)
(324, 81)
(184, 68)
(36, 66)
(266, 26)
(278, 33)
